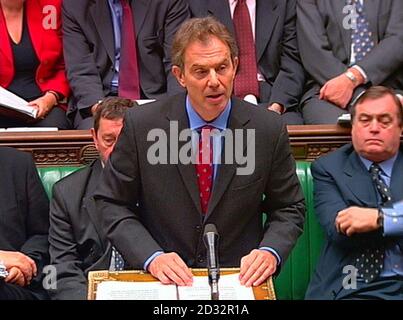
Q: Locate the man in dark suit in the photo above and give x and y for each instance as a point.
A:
(92, 30)
(344, 55)
(155, 208)
(280, 72)
(362, 257)
(24, 223)
(77, 242)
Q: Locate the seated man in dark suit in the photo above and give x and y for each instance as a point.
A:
(268, 51)
(346, 47)
(77, 243)
(24, 224)
(358, 190)
(154, 208)
(118, 47)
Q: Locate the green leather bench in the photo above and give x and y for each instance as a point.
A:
(293, 280)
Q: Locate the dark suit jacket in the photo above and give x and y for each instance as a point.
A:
(276, 46)
(148, 207)
(77, 243)
(325, 45)
(47, 43)
(89, 47)
(24, 211)
(341, 180)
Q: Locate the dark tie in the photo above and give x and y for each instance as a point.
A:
(370, 262)
(118, 260)
(204, 167)
(361, 36)
(129, 83)
(246, 77)
(380, 185)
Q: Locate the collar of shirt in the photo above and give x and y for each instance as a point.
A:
(196, 122)
(386, 166)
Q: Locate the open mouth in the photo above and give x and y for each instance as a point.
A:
(214, 96)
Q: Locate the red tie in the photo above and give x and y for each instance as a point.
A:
(129, 83)
(204, 167)
(246, 77)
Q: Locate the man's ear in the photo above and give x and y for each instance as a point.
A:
(235, 62)
(94, 137)
(177, 72)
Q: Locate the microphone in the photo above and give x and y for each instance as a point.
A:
(210, 238)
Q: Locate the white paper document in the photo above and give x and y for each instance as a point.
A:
(29, 129)
(123, 290)
(229, 288)
(344, 119)
(14, 102)
(144, 101)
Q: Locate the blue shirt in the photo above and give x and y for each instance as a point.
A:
(195, 125)
(392, 224)
(116, 15)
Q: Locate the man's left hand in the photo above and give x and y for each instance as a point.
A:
(356, 220)
(338, 91)
(256, 267)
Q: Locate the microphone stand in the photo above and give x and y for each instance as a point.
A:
(211, 241)
(213, 276)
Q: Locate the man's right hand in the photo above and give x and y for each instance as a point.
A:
(356, 220)
(169, 268)
(21, 261)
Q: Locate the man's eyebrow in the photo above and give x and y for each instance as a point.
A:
(382, 115)
(226, 60)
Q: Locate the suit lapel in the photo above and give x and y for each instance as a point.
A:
(266, 19)
(88, 204)
(338, 7)
(221, 10)
(139, 8)
(98, 11)
(359, 181)
(396, 183)
(239, 117)
(372, 10)
(177, 112)
(34, 18)
(5, 46)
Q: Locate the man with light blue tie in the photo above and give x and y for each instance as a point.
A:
(358, 191)
(347, 46)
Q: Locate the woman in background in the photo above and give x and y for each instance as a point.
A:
(31, 59)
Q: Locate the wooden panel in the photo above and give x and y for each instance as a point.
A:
(61, 148)
(75, 147)
(309, 142)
